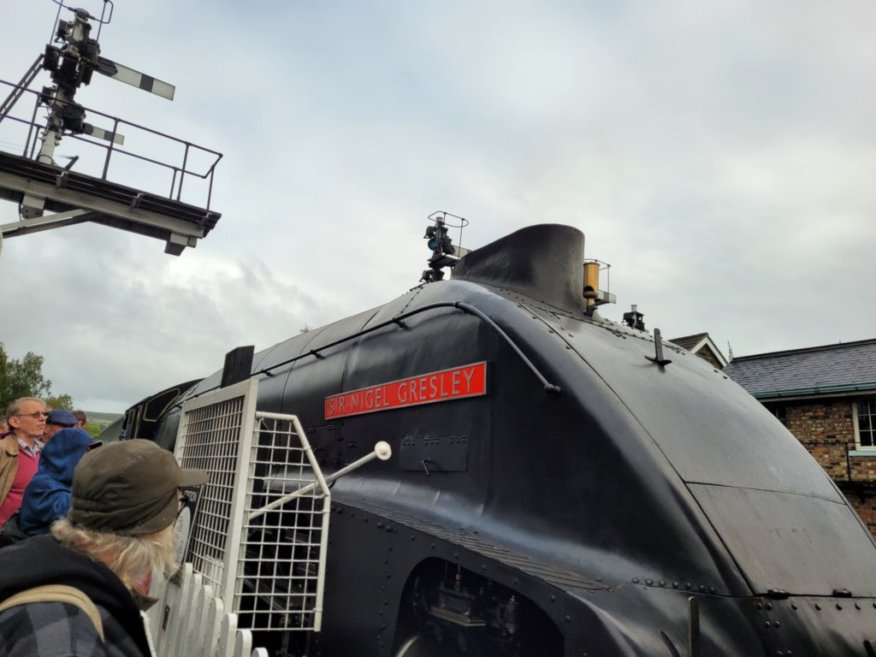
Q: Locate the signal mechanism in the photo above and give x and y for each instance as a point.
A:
(51, 196)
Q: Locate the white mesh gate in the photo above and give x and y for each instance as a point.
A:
(269, 566)
(261, 522)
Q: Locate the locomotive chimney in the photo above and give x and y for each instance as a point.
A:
(542, 261)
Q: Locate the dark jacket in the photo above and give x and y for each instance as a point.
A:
(47, 496)
(51, 628)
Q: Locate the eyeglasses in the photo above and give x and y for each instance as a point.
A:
(35, 415)
(182, 503)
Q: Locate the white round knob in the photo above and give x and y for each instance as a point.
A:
(382, 450)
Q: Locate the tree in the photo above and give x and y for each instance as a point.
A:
(59, 401)
(24, 378)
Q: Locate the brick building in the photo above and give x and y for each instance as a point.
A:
(826, 396)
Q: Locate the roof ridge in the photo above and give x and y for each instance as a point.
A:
(804, 350)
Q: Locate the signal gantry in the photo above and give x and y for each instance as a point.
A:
(51, 196)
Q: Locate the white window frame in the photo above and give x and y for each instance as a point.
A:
(871, 401)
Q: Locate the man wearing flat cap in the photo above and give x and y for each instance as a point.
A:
(117, 536)
(58, 419)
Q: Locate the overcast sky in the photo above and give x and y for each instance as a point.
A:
(720, 155)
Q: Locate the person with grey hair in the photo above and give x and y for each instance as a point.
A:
(20, 451)
(118, 535)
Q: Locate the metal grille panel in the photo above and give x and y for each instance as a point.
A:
(261, 524)
(285, 545)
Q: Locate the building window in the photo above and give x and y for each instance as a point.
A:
(781, 413)
(865, 422)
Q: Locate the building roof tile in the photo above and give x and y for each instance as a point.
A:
(810, 371)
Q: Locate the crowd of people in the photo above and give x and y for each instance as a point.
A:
(83, 532)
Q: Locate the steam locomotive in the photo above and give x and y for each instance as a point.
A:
(560, 485)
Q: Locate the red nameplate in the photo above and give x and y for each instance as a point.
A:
(455, 383)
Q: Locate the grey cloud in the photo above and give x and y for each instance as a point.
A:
(719, 156)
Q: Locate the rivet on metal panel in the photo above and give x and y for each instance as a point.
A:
(661, 583)
(712, 589)
(758, 605)
(635, 580)
(794, 606)
(568, 618)
(817, 606)
(769, 605)
(767, 624)
(675, 585)
(553, 598)
(839, 607)
(649, 581)
(776, 624)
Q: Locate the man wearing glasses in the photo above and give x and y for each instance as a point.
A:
(20, 451)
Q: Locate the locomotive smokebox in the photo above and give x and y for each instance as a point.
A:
(542, 261)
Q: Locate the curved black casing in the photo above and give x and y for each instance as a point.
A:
(608, 504)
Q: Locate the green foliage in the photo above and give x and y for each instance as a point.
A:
(93, 430)
(24, 378)
(59, 401)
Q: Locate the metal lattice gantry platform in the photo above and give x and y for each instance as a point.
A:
(67, 196)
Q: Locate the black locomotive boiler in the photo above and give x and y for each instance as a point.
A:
(559, 485)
